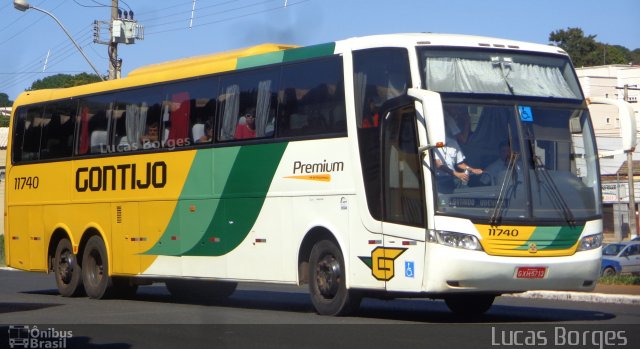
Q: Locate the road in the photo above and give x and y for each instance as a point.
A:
(32, 299)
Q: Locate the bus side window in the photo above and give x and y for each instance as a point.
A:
(192, 105)
(311, 99)
(25, 135)
(58, 128)
(247, 103)
(93, 116)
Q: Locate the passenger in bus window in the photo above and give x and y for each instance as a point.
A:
(495, 172)
(207, 135)
(458, 122)
(150, 138)
(371, 117)
(246, 127)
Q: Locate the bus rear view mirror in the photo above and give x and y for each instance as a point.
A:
(627, 121)
(433, 116)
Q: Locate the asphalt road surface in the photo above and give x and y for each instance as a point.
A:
(276, 316)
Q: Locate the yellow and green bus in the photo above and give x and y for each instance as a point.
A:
(324, 165)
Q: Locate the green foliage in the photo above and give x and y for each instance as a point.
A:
(586, 51)
(620, 280)
(63, 80)
(4, 100)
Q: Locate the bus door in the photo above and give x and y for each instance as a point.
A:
(400, 261)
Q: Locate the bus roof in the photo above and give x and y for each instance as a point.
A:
(274, 53)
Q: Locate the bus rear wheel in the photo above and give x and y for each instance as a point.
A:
(95, 269)
(469, 304)
(67, 271)
(327, 283)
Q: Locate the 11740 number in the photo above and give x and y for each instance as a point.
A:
(20, 183)
(503, 232)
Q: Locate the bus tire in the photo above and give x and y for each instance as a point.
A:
(327, 283)
(67, 271)
(200, 290)
(469, 304)
(95, 269)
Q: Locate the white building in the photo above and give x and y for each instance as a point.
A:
(609, 81)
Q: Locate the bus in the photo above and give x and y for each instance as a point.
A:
(404, 165)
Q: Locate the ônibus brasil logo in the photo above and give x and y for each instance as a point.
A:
(33, 337)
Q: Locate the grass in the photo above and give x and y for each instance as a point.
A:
(620, 280)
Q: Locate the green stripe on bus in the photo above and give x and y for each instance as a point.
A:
(242, 199)
(207, 225)
(553, 238)
(260, 60)
(286, 56)
(202, 181)
(309, 52)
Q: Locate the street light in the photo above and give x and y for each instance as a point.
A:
(23, 5)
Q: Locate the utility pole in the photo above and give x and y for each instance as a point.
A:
(114, 67)
(633, 230)
(123, 29)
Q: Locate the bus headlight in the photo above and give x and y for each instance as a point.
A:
(590, 242)
(449, 238)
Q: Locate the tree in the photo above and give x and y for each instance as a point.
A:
(63, 80)
(4, 100)
(634, 56)
(581, 48)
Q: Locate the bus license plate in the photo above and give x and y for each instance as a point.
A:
(530, 272)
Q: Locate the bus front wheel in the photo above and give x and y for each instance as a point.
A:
(327, 283)
(95, 269)
(469, 304)
(67, 270)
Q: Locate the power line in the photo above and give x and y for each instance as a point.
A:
(279, 7)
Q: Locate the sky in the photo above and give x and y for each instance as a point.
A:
(30, 39)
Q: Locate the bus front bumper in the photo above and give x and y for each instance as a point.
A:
(451, 269)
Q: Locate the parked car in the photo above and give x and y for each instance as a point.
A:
(609, 267)
(627, 254)
(637, 238)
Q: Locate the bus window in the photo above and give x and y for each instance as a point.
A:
(311, 99)
(379, 75)
(191, 114)
(403, 185)
(247, 105)
(57, 132)
(136, 119)
(94, 114)
(26, 143)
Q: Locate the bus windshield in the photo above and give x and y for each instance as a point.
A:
(523, 161)
(499, 72)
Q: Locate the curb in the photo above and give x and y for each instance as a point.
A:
(580, 297)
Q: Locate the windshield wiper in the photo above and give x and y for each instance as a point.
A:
(553, 191)
(506, 185)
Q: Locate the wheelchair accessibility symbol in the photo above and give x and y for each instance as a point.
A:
(409, 270)
(526, 115)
